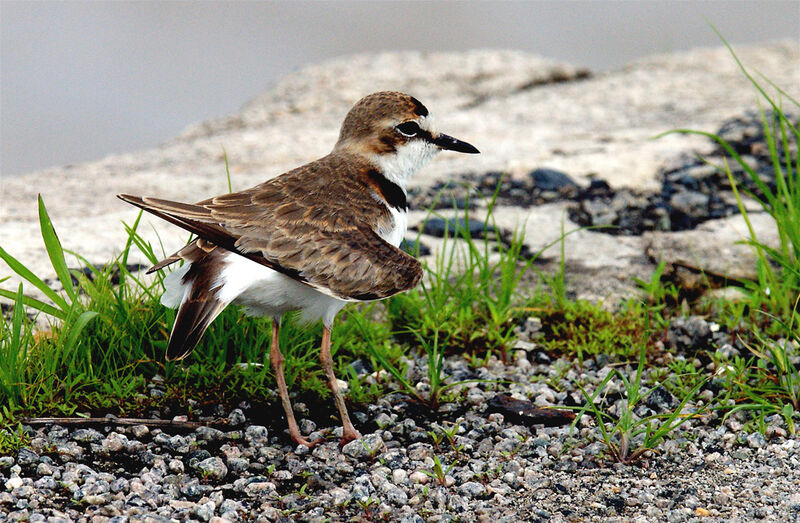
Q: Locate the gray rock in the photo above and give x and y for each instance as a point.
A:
(365, 447)
(307, 426)
(756, 440)
(87, 436)
(209, 434)
(115, 442)
(396, 496)
(46, 482)
(551, 180)
(472, 490)
(236, 418)
(26, 457)
(178, 444)
(139, 431)
(238, 465)
(661, 400)
(256, 436)
(260, 489)
(339, 496)
(44, 469)
(691, 203)
(205, 511)
(691, 334)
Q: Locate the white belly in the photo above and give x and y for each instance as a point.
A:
(264, 292)
(260, 290)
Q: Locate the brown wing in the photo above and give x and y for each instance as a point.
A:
(330, 247)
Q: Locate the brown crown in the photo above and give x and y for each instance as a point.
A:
(376, 111)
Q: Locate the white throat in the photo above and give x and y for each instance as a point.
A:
(407, 159)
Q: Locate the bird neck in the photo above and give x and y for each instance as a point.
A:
(399, 165)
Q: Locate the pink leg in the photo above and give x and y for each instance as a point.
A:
(276, 359)
(349, 432)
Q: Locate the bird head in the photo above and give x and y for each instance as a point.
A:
(396, 133)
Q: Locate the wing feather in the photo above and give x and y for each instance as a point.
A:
(332, 247)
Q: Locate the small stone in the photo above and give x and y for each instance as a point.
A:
(701, 512)
(362, 367)
(238, 465)
(93, 499)
(259, 489)
(256, 436)
(419, 451)
(661, 400)
(419, 477)
(178, 444)
(46, 482)
(756, 441)
(204, 511)
(44, 469)
(397, 497)
(179, 504)
(281, 475)
(339, 496)
(547, 179)
(115, 442)
(13, 482)
(236, 418)
(24, 491)
(26, 457)
(307, 426)
(209, 434)
(399, 477)
(87, 436)
(368, 446)
(176, 466)
(140, 431)
(721, 498)
(213, 468)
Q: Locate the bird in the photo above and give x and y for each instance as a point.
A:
(312, 239)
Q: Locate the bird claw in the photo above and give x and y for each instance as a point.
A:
(347, 437)
(306, 443)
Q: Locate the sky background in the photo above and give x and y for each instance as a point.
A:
(80, 80)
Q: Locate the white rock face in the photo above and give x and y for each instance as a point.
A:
(521, 111)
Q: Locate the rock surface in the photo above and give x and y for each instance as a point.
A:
(522, 111)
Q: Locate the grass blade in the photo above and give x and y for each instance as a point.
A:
(76, 328)
(55, 251)
(36, 304)
(34, 280)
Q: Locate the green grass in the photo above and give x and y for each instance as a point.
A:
(620, 432)
(769, 382)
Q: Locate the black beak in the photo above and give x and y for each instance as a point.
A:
(452, 144)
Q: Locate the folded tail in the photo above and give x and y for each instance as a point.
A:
(195, 290)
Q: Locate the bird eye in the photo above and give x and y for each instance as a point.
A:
(408, 128)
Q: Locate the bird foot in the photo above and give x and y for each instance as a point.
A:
(348, 436)
(300, 440)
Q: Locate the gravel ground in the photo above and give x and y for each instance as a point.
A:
(502, 471)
